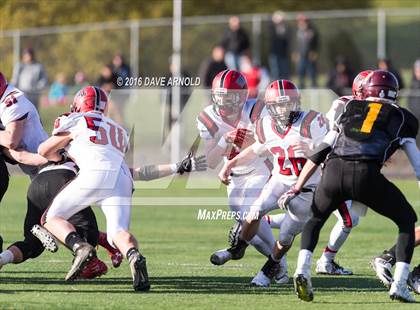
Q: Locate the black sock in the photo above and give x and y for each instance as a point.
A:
(269, 266)
(241, 243)
(73, 239)
(392, 252)
(131, 252)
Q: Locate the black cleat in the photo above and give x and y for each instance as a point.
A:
(1, 244)
(82, 255)
(139, 273)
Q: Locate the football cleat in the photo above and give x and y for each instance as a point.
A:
(261, 280)
(331, 268)
(116, 258)
(139, 273)
(383, 268)
(93, 269)
(83, 253)
(46, 238)
(399, 291)
(303, 287)
(220, 257)
(414, 280)
(1, 244)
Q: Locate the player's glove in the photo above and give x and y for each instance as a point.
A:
(191, 163)
(288, 196)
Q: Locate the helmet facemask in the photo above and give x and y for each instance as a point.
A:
(284, 110)
(228, 103)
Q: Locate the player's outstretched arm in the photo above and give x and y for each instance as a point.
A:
(189, 164)
(242, 158)
(26, 158)
(410, 148)
(50, 147)
(12, 134)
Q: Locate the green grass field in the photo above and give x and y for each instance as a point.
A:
(177, 247)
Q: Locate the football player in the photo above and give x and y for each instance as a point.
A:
(226, 127)
(97, 144)
(287, 133)
(20, 127)
(366, 134)
(347, 217)
(383, 264)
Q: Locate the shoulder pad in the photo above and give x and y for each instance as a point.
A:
(410, 128)
(259, 130)
(305, 127)
(205, 119)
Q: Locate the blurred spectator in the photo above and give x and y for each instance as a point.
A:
(307, 50)
(58, 90)
(120, 68)
(385, 64)
(414, 95)
(235, 41)
(30, 76)
(79, 82)
(210, 67)
(279, 51)
(107, 80)
(252, 74)
(340, 79)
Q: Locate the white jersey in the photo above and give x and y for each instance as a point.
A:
(211, 126)
(336, 109)
(310, 128)
(14, 106)
(98, 143)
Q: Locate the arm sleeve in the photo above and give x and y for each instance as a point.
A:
(64, 124)
(259, 148)
(410, 148)
(203, 131)
(15, 112)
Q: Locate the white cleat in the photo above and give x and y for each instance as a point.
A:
(220, 257)
(413, 280)
(331, 268)
(383, 270)
(46, 238)
(399, 291)
(261, 280)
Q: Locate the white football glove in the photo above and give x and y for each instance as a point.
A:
(288, 196)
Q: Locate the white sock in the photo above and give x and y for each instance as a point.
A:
(275, 220)
(401, 272)
(261, 246)
(338, 236)
(6, 257)
(304, 263)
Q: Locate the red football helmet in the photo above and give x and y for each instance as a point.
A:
(3, 84)
(380, 85)
(229, 93)
(282, 99)
(89, 98)
(358, 82)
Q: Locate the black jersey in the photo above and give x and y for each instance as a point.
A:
(372, 130)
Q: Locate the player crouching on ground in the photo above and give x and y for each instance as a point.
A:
(97, 144)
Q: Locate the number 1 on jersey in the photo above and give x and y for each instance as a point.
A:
(374, 109)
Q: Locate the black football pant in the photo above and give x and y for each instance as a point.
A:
(360, 181)
(41, 192)
(4, 184)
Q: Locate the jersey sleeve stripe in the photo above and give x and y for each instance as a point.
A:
(260, 131)
(206, 120)
(305, 128)
(256, 111)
